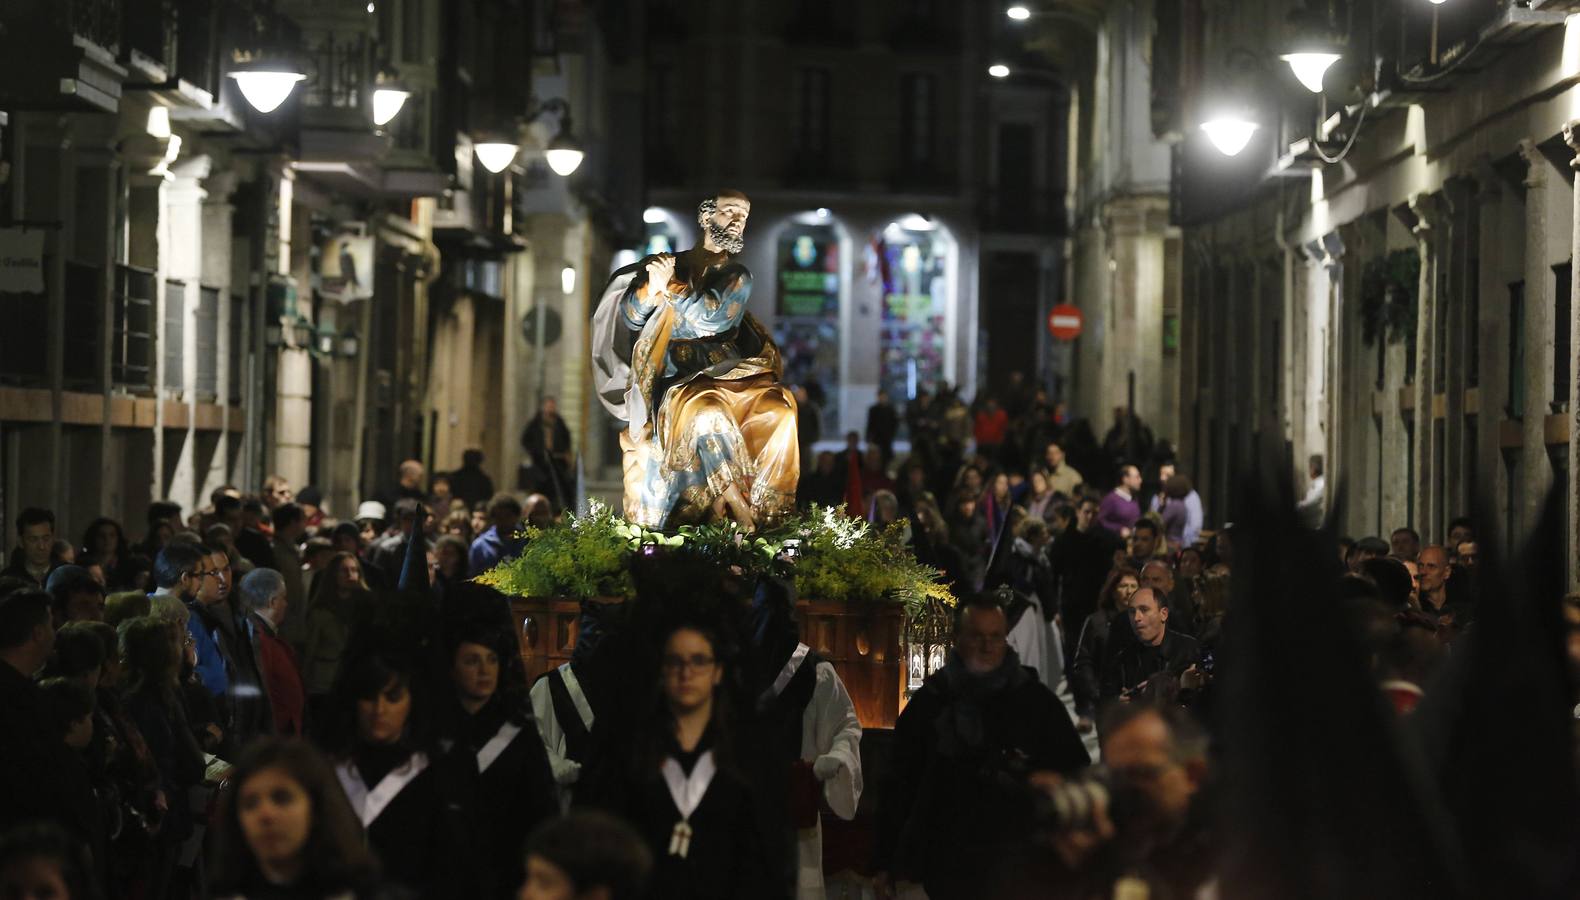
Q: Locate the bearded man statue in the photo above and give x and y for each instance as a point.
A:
(710, 430)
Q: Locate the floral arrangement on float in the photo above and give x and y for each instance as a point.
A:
(882, 618)
(837, 558)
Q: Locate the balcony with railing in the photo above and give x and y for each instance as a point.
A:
(175, 45)
(60, 54)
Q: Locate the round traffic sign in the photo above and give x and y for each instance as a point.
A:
(1064, 322)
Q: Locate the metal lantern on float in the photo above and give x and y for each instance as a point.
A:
(929, 634)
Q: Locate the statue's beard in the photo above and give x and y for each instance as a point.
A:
(723, 239)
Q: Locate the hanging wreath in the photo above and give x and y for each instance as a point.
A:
(1390, 286)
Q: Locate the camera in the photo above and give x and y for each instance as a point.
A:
(1073, 805)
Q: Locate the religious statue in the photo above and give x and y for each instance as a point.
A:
(710, 430)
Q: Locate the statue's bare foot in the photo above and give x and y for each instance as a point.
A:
(739, 508)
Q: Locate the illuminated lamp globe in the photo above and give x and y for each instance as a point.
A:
(1018, 13)
(496, 156)
(998, 70)
(564, 156)
(266, 89)
(387, 103)
(653, 215)
(1229, 134)
(1310, 67)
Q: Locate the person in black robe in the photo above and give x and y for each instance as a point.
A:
(413, 800)
(490, 732)
(284, 831)
(957, 799)
(678, 782)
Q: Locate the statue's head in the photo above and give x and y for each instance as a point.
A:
(723, 220)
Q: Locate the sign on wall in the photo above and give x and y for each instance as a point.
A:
(345, 270)
(21, 261)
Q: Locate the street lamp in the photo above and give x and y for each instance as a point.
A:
(389, 95)
(998, 70)
(1229, 133)
(350, 344)
(496, 156)
(266, 82)
(564, 155)
(1310, 67)
(564, 152)
(1314, 47)
(302, 333)
(1018, 13)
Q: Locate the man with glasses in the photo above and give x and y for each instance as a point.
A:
(198, 579)
(957, 802)
(1156, 759)
(224, 614)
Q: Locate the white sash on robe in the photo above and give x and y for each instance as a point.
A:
(686, 791)
(368, 804)
(496, 745)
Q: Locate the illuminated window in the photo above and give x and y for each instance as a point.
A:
(913, 262)
(807, 322)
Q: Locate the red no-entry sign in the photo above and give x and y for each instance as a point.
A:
(1064, 322)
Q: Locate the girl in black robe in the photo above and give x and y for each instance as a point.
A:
(490, 733)
(411, 798)
(284, 830)
(679, 785)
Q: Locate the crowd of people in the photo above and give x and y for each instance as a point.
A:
(262, 701)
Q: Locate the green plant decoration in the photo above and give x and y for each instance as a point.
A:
(1390, 287)
(846, 560)
(585, 557)
(840, 559)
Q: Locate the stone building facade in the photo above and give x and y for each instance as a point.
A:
(187, 331)
(1385, 276)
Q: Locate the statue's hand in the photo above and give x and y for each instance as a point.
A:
(659, 273)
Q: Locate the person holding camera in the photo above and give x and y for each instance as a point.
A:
(1138, 825)
(1160, 662)
(957, 800)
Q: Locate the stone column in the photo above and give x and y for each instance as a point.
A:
(1315, 382)
(1429, 227)
(1134, 338)
(1492, 385)
(1572, 526)
(216, 273)
(1538, 340)
(181, 259)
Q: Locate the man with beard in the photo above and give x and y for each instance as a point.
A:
(710, 430)
(957, 801)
